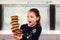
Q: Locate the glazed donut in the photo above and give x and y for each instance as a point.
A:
(14, 16)
(14, 22)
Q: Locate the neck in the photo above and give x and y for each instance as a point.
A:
(32, 25)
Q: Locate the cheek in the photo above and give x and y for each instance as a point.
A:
(34, 19)
(27, 18)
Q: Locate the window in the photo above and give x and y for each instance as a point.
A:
(57, 17)
(21, 11)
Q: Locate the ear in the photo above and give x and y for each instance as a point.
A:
(37, 18)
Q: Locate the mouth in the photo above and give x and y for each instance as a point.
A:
(29, 21)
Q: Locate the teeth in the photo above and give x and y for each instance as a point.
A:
(15, 26)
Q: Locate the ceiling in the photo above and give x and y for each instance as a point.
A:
(29, 1)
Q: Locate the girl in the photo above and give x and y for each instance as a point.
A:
(32, 30)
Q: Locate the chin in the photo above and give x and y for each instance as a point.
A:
(29, 24)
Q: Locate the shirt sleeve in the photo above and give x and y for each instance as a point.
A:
(36, 35)
(22, 27)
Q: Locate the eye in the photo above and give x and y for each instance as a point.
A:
(27, 16)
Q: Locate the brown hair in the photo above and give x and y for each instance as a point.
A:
(36, 11)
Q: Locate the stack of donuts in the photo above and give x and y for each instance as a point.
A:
(15, 26)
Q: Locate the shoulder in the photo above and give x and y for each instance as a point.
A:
(39, 27)
(23, 26)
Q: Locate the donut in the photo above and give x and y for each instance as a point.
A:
(14, 16)
(14, 23)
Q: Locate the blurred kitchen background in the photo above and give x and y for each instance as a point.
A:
(49, 11)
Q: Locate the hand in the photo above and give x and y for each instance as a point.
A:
(16, 37)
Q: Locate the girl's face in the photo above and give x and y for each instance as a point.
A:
(31, 18)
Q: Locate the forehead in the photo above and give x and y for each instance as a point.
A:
(31, 13)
